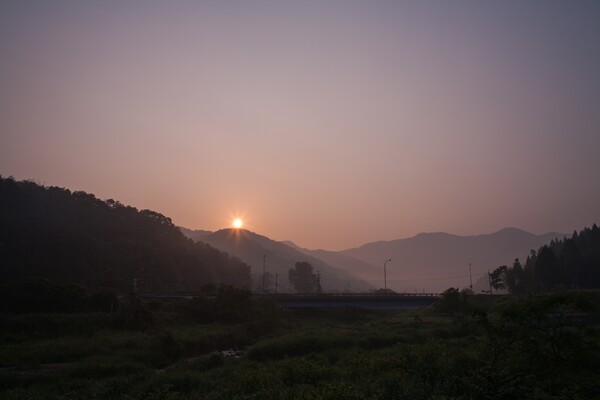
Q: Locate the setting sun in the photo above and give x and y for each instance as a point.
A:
(237, 223)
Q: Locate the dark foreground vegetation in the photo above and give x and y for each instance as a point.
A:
(464, 347)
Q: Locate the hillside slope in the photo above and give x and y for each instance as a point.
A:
(54, 233)
(251, 247)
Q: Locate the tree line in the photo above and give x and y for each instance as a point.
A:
(54, 233)
(568, 263)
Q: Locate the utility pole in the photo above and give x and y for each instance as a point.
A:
(490, 281)
(275, 282)
(318, 282)
(385, 276)
(264, 259)
(470, 278)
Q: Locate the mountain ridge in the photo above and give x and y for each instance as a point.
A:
(251, 247)
(447, 234)
(430, 260)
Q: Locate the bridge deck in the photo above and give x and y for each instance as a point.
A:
(361, 300)
(321, 300)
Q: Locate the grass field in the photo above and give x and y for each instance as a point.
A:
(520, 349)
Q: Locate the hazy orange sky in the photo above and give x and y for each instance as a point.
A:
(329, 123)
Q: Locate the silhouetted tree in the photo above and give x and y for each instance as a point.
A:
(303, 279)
(514, 277)
(547, 269)
(498, 278)
(528, 283)
(571, 264)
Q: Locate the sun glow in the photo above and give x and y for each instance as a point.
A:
(237, 223)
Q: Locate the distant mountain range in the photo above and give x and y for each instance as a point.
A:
(436, 261)
(426, 262)
(54, 233)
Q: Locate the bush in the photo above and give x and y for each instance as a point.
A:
(296, 345)
(453, 302)
(43, 296)
(103, 367)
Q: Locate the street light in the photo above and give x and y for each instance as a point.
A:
(470, 278)
(385, 276)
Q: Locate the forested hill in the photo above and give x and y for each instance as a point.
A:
(53, 233)
(571, 263)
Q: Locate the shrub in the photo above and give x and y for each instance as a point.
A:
(453, 302)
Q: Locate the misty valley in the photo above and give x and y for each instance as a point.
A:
(100, 300)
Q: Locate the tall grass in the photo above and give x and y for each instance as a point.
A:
(378, 355)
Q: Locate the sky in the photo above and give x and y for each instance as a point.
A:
(328, 123)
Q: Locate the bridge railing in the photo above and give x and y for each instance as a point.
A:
(342, 295)
(189, 295)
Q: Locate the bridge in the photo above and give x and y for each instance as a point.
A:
(359, 300)
(319, 300)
